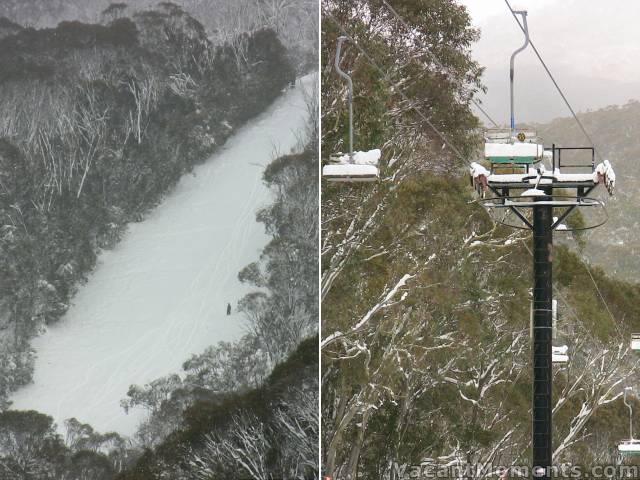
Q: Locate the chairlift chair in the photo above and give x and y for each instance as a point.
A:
(516, 158)
(354, 166)
(631, 446)
(357, 167)
(635, 341)
(517, 153)
(560, 355)
(508, 147)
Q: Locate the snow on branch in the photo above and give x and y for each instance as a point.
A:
(384, 303)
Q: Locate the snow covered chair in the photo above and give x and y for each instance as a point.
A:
(513, 153)
(479, 177)
(560, 354)
(508, 160)
(635, 341)
(604, 174)
(631, 446)
(528, 171)
(504, 148)
(361, 167)
(354, 166)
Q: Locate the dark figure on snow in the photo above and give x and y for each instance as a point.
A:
(228, 309)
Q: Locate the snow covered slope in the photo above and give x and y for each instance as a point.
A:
(162, 293)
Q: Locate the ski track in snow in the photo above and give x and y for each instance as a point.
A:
(161, 294)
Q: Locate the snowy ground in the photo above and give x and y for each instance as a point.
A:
(161, 294)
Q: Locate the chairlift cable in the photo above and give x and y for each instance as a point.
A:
(586, 265)
(555, 83)
(449, 75)
(595, 284)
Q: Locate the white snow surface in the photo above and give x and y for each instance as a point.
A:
(532, 192)
(475, 169)
(632, 446)
(560, 350)
(513, 150)
(606, 169)
(362, 158)
(508, 177)
(161, 294)
(560, 354)
(557, 176)
(556, 358)
(575, 177)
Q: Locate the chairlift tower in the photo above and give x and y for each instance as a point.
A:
(522, 178)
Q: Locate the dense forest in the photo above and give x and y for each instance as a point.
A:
(223, 20)
(98, 122)
(102, 114)
(426, 356)
(268, 431)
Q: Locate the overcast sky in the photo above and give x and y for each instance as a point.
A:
(591, 46)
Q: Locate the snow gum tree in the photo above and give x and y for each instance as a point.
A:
(30, 448)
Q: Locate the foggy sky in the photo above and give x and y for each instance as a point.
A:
(591, 46)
